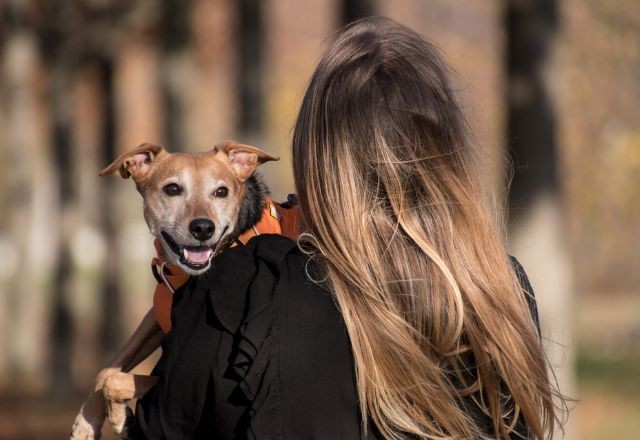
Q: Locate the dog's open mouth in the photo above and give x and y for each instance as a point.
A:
(195, 257)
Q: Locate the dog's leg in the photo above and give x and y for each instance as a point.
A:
(146, 338)
(144, 350)
(121, 387)
(118, 390)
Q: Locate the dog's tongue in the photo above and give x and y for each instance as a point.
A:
(198, 255)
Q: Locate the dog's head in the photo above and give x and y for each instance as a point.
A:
(192, 202)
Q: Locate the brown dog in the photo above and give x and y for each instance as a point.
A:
(195, 204)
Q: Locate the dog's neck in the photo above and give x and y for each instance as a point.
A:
(252, 204)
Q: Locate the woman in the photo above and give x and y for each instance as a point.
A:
(403, 318)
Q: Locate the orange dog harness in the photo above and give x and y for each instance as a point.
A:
(276, 219)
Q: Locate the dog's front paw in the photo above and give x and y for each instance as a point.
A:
(90, 418)
(117, 390)
(120, 417)
(87, 425)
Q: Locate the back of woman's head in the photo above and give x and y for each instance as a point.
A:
(440, 329)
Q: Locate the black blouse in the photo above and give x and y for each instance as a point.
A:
(256, 351)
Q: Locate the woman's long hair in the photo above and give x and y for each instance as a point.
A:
(439, 326)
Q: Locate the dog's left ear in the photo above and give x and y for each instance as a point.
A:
(135, 163)
(243, 159)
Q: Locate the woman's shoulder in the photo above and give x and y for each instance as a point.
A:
(298, 271)
(306, 287)
(521, 274)
(273, 248)
(269, 276)
(308, 318)
(527, 289)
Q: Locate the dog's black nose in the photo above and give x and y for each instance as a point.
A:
(201, 228)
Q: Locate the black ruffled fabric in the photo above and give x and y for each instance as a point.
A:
(256, 351)
(253, 362)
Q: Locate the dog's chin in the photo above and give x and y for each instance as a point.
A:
(189, 269)
(194, 260)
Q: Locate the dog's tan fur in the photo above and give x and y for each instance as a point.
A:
(199, 176)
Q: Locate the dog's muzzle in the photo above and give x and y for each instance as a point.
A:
(193, 257)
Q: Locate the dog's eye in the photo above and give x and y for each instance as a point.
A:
(172, 189)
(221, 192)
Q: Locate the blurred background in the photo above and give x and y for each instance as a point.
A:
(554, 84)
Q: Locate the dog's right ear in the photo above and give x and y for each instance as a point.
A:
(243, 159)
(135, 163)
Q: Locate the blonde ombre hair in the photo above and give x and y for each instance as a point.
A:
(439, 324)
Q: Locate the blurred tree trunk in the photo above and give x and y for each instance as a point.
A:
(19, 64)
(535, 201)
(250, 74)
(531, 125)
(59, 54)
(61, 321)
(353, 10)
(110, 308)
(174, 39)
(31, 223)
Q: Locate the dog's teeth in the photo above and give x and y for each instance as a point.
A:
(185, 253)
